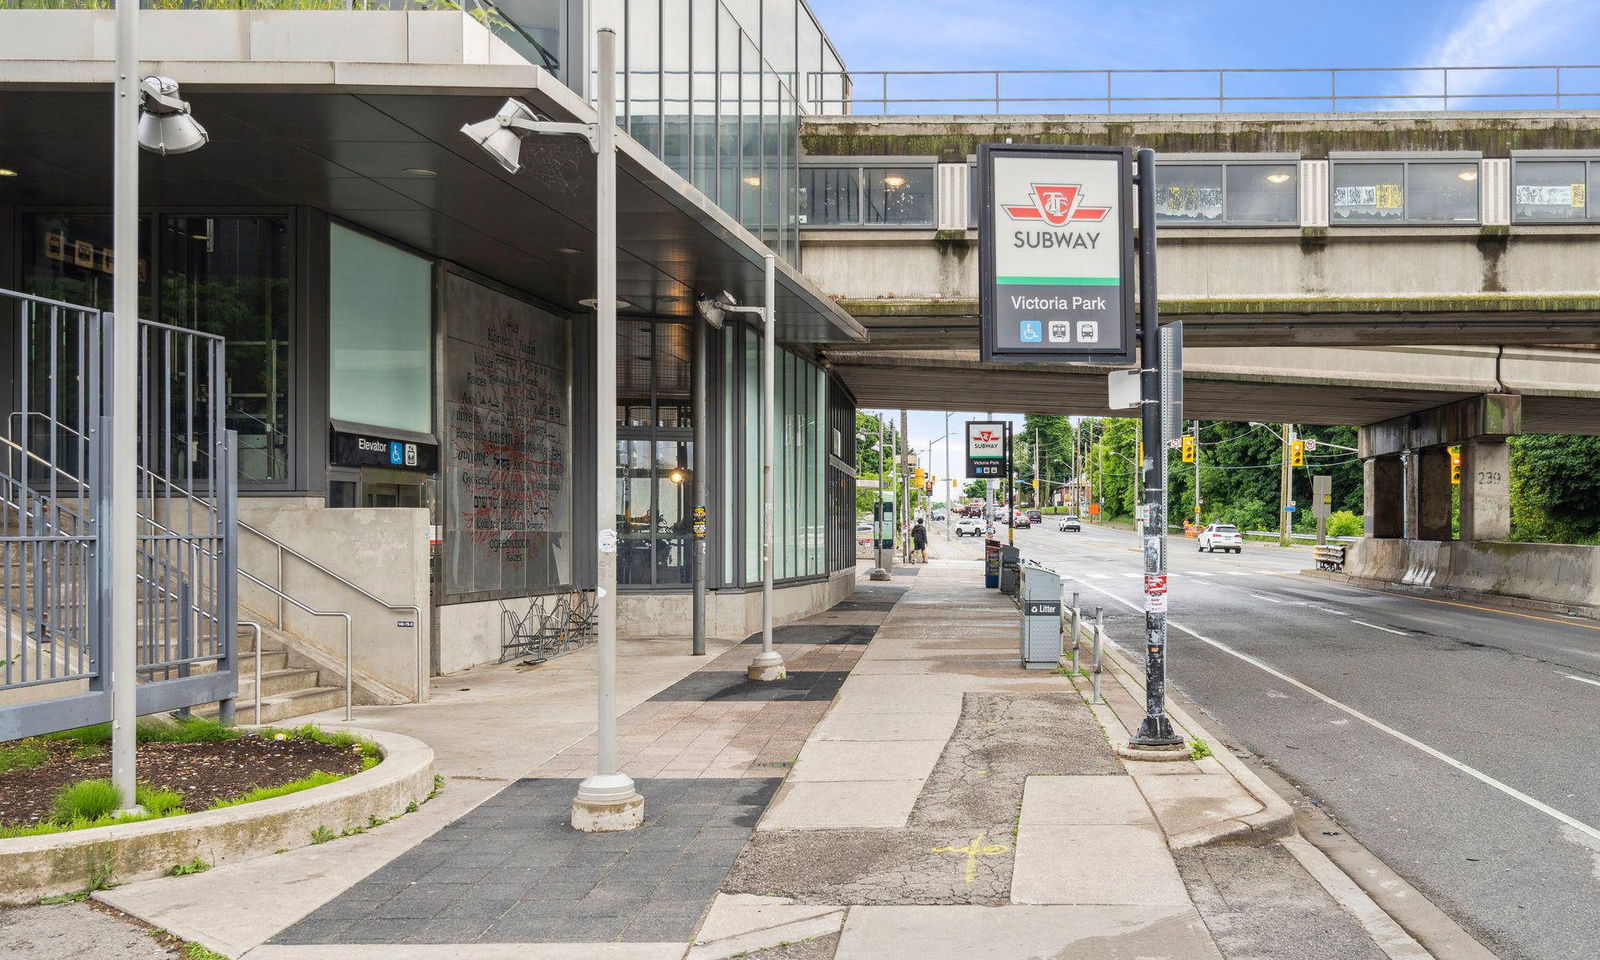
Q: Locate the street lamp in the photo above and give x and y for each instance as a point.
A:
(165, 122)
(607, 799)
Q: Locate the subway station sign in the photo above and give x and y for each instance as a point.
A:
(1055, 237)
(986, 449)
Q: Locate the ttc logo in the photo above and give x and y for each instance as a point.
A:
(1056, 204)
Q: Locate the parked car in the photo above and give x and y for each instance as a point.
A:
(1221, 536)
(969, 527)
(1069, 522)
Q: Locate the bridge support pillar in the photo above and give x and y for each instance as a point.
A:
(1430, 492)
(1485, 490)
(1383, 490)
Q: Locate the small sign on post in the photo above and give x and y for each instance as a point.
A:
(986, 449)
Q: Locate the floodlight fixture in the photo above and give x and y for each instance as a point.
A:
(166, 125)
(501, 135)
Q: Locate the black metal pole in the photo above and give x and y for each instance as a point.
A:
(1011, 490)
(702, 461)
(1156, 730)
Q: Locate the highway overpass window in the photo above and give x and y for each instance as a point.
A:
(830, 195)
(1405, 191)
(900, 196)
(1552, 191)
(1226, 192)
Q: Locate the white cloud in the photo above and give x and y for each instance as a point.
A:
(1501, 33)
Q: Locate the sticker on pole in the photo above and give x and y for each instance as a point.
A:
(1155, 592)
(608, 541)
(1055, 239)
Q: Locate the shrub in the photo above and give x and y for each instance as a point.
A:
(1343, 523)
(86, 800)
(159, 802)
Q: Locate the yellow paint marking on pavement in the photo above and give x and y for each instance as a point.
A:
(977, 848)
(1510, 613)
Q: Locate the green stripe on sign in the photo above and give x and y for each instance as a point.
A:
(1057, 281)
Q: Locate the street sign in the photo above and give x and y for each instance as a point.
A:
(1055, 242)
(1172, 379)
(1122, 389)
(1321, 495)
(986, 449)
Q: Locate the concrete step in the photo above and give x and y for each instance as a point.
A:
(270, 660)
(276, 683)
(284, 706)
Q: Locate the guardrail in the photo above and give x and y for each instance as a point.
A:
(1329, 557)
(1246, 89)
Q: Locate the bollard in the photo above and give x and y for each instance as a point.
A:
(1095, 677)
(1074, 633)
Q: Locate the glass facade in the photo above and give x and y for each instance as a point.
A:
(655, 453)
(716, 89)
(1554, 191)
(1405, 191)
(832, 195)
(380, 333)
(1227, 192)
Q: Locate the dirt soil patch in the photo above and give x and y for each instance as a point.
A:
(203, 772)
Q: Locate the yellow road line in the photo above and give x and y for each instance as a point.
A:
(1509, 613)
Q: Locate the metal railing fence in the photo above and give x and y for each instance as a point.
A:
(53, 502)
(1232, 90)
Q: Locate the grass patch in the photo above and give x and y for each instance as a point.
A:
(158, 802)
(322, 835)
(23, 755)
(186, 869)
(86, 800)
(1199, 749)
(179, 729)
(194, 951)
(343, 739)
(315, 779)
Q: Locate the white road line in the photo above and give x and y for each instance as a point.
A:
(1437, 754)
(1268, 599)
(1384, 629)
(1581, 679)
(1240, 573)
(1196, 573)
(1337, 613)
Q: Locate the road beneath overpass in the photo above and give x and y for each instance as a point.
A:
(1456, 742)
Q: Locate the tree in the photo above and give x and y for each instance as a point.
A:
(1555, 488)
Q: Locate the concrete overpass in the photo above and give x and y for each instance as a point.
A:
(1317, 318)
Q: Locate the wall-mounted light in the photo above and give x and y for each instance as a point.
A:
(894, 181)
(1278, 177)
(593, 303)
(420, 172)
(1468, 175)
(8, 172)
(752, 181)
(675, 476)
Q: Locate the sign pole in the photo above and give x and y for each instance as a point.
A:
(1156, 729)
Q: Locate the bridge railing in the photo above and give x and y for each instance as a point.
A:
(1234, 90)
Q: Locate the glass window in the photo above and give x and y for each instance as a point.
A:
(635, 517)
(830, 195)
(1546, 190)
(1368, 192)
(1442, 192)
(380, 333)
(634, 353)
(898, 195)
(674, 487)
(753, 454)
(69, 257)
(230, 276)
(1189, 193)
(1262, 193)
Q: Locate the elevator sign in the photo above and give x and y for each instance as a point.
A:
(1056, 250)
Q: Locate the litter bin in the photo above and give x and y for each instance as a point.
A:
(1010, 569)
(991, 563)
(1041, 617)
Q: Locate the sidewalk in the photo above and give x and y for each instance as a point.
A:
(908, 791)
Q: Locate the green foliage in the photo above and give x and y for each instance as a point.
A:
(159, 802)
(316, 778)
(1199, 749)
(194, 951)
(23, 755)
(1344, 523)
(196, 865)
(322, 835)
(1555, 489)
(151, 730)
(85, 800)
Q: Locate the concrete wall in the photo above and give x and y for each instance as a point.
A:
(1200, 263)
(1564, 575)
(384, 551)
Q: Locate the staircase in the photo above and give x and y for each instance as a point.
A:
(291, 684)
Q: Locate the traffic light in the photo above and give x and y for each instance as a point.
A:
(1455, 465)
(1188, 448)
(1297, 453)
(918, 477)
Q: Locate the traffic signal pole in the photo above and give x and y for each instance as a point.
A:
(1197, 500)
(1285, 482)
(1155, 732)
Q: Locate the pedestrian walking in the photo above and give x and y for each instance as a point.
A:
(919, 542)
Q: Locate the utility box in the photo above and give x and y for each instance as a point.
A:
(1010, 569)
(1041, 617)
(991, 563)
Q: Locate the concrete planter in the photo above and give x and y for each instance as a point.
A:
(34, 867)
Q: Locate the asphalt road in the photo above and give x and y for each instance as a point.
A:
(1457, 742)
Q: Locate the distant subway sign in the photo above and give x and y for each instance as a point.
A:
(1056, 251)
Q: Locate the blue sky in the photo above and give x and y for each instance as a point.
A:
(1100, 34)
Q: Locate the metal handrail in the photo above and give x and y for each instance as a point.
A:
(997, 97)
(257, 628)
(282, 548)
(348, 646)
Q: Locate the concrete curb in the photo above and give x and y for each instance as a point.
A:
(1456, 593)
(1274, 821)
(34, 867)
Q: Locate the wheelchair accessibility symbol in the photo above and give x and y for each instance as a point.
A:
(1031, 331)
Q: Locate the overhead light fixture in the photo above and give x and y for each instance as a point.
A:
(8, 172)
(165, 124)
(676, 476)
(1278, 177)
(752, 181)
(593, 303)
(1468, 175)
(714, 309)
(569, 251)
(894, 181)
(421, 172)
(501, 135)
